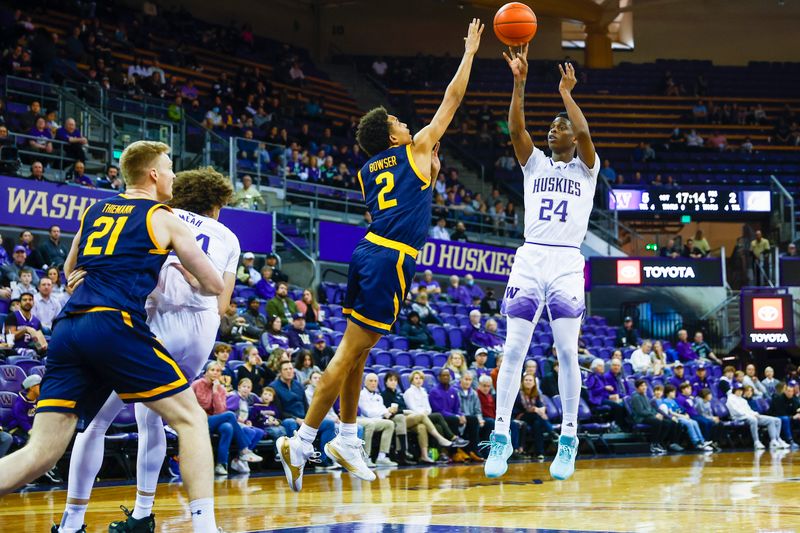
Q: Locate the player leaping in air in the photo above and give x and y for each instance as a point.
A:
(548, 268)
(397, 188)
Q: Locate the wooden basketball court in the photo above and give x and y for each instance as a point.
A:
(743, 491)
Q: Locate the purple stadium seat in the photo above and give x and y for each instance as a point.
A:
(430, 382)
(423, 359)
(38, 370)
(456, 337)
(246, 292)
(383, 344)
(536, 349)
(335, 310)
(383, 358)
(338, 324)
(553, 412)
(446, 308)
(439, 360)
(463, 321)
(7, 400)
(400, 343)
(439, 335)
(26, 364)
(404, 359)
(405, 380)
(13, 376)
(336, 338)
(234, 365)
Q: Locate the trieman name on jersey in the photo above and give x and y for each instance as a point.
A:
(554, 184)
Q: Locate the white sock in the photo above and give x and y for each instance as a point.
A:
(565, 338)
(307, 434)
(144, 506)
(203, 515)
(72, 519)
(381, 455)
(518, 340)
(349, 432)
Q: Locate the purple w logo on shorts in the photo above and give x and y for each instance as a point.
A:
(511, 292)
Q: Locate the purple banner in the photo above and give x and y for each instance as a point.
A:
(337, 242)
(39, 205)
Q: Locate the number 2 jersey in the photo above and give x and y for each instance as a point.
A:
(398, 196)
(558, 199)
(221, 246)
(120, 254)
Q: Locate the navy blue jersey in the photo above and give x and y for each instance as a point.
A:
(398, 197)
(119, 252)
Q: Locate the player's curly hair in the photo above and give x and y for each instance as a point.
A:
(200, 190)
(373, 131)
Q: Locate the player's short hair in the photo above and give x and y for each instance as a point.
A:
(373, 131)
(137, 158)
(564, 115)
(200, 190)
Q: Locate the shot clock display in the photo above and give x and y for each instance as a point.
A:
(717, 202)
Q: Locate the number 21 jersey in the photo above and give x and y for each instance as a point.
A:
(558, 199)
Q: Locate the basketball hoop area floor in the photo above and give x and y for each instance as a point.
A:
(741, 491)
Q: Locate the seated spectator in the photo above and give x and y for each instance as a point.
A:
(529, 408)
(478, 367)
(266, 416)
(444, 400)
(304, 366)
(265, 287)
(627, 335)
(740, 410)
(701, 243)
(41, 137)
(665, 432)
(12, 270)
(273, 367)
(700, 381)
(769, 382)
(427, 314)
(641, 359)
(248, 197)
(46, 305)
(708, 428)
(488, 337)
(717, 141)
(460, 233)
(24, 285)
(277, 275)
(700, 113)
(615, 392)
(694, 141)
(299, 337)
(684, 348)
(431, 286)
(690, 251)
(309, 308)
(678, 371)
(247, 273)
(751, 379)
(785, 405)
(550, 380)
(471, 407)
(23, 408)
(456, 364)
(311, 389)
(600, 392)
(489, 305)
(274, 337)
(252, 370)
(671, 250)
(475, 325)
(53, 252)
(379, 67)
(76, 143)
(439, 231)
(417, 402)
(210, 395)
(457, 293)
(322, 353)
(240, 403)
(26, 328)
(608, 171)
(677, 140)
(659, 358)
(475, 291)
(726, 381)
(417, 333)
(703, 350)
(291, 402)
(664, 398)
(6, 440)
(375, 416)
(222, 353)
(281, 305)
(414, 422)
(253, 316)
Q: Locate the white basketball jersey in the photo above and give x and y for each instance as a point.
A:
(222, 248)
(558, 199)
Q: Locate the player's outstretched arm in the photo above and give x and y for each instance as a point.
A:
(171, 230)
(224, 299)
(520, 138)
(579, 124)
(428, 136)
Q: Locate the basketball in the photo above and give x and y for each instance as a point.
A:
(515, 24)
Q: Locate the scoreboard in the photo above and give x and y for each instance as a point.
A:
(714, 201)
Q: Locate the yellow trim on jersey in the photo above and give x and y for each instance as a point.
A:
(394, 245)
(126, 317)
(399, 267)
(69, 404)
(95, 309)
(361, 318)
(159, 249)
(361, 182)
(162, 389)
(426, 181)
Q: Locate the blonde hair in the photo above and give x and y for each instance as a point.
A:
(137, 157)
(414, 374)
(463, 368)
(244, 381)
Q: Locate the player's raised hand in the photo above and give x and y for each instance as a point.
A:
(518, 62)
(568, 80)
(473, 39)
(436, 163)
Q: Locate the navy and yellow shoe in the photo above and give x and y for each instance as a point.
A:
(132, 525)
(55, 529)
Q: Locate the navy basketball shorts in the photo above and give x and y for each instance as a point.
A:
(377, 282)
(102, 350)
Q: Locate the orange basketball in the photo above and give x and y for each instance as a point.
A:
(515, 24)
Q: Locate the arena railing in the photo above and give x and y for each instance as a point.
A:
(97, 157)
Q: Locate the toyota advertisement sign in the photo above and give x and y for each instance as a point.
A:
(655, 271)
(767, 319)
